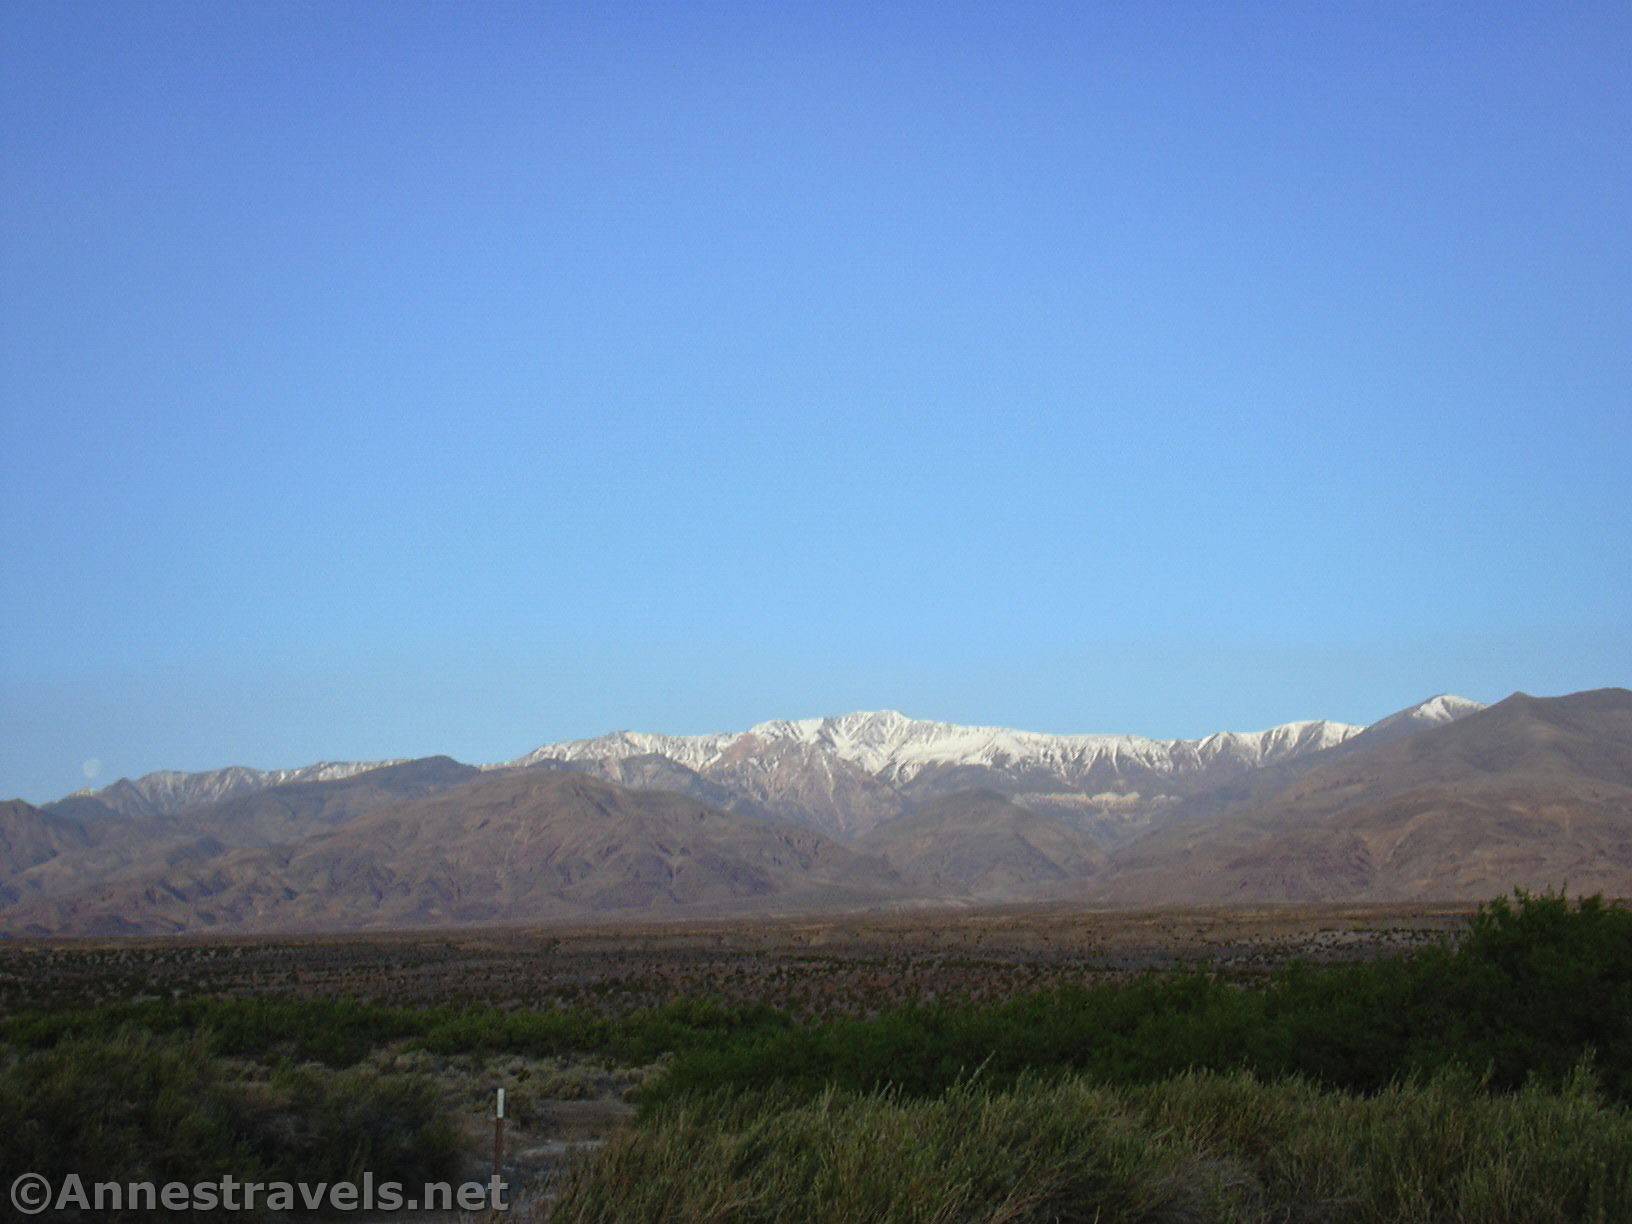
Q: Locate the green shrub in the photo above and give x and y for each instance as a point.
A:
(1537, 981)
(128, 1108)
(135, 1107)
(314, 1125)
(1538, 984)
(342, 1032)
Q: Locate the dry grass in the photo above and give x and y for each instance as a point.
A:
(1195, 1148)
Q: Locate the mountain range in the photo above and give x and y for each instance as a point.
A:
(1444, 800)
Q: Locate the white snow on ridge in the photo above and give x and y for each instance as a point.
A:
(167, 782)
(890, 745)
(884, 743)
(170, 791)
(1444, 708)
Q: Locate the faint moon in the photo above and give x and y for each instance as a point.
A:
(91, 768)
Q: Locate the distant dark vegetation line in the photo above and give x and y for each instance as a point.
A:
(341, 1032)
(1537, 985)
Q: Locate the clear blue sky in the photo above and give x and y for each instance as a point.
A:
(386, 379)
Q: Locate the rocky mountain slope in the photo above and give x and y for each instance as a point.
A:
(89, 838)
(843, 775)
(978, 844)
(30, 836)
(517, 846)
(1531, 791)
(168, 792)
(1445, 800)
(850, 774)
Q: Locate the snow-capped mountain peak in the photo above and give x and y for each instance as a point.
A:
(1445, 707)
(166, 792)
(892, 746)
(1442, 708)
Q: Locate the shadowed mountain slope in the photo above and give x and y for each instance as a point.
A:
(108, 844)
(170, 792)
(979, 844)
(517, 846)
(288, 813)
(654, 771)
(30, 836)
(1531, 791)
(1443, 801)
(849, 774)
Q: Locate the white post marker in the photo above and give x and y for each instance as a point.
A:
(498, 1135)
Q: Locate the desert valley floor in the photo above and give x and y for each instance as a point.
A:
(570, 1110)
(813, 966)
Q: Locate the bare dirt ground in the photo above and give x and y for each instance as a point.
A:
(850, 965)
